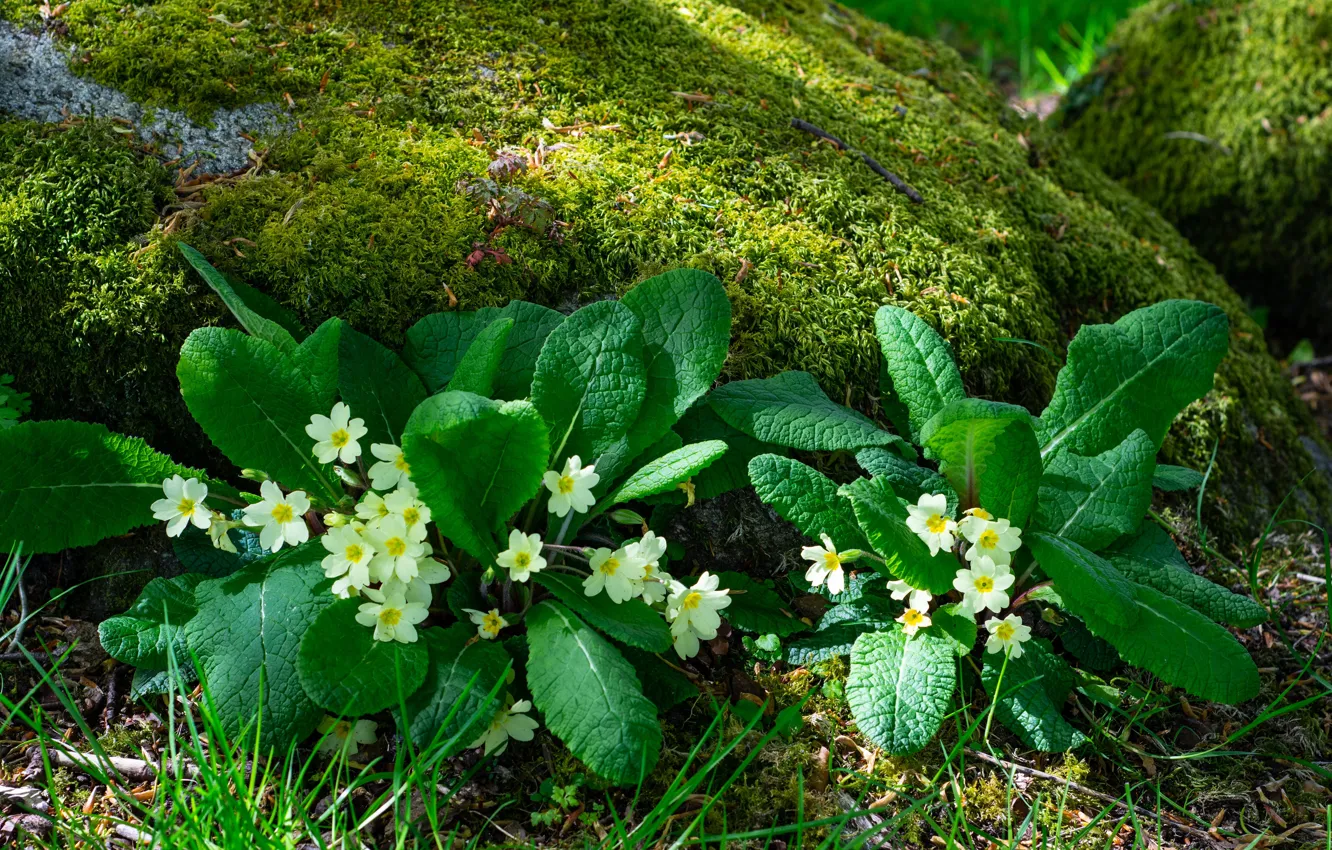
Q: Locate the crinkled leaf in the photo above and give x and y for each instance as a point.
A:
(1175, 479)
(899, 687)
(920, 363)
(147, 682)
(153, 627)
(479, 367)
(590, 696)
(377, 386)
(1032, 691)
(197, 554)
(631, 622)
(958, 629)
(254, 321)
(461, 674)
(590, 380)
(882, 517)
(860, 584)
(1091, 651)
(663, 474)
(756, 608)
(910, 480)
(1094, 500)
(1137, 373)
(475, 462)
(1085, 581)
(840, 626)
(731, 470)
(438, 342)
(349, 673)
(807, 499)
(247, 638)
(317, 357)
(989, 455)
(662, 684)
(66, 484)
(254, 402)
(791, 410)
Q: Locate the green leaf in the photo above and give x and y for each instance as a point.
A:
(67, 484)
(756, 608)
(1033, 689)
(731, 470)
(255, 324)
(807, 499)
(377, 386)
(147, 682)
(438, 342)
(1137, 373)
(1095, 500)
(590, 696)
(1091, 651)
(1150, 558)
(883, 518)
(791, 410)
(268, 307)
(254, 402)
(840, 626)
(456, 661)
(909, 480)
(480, 365)
(197, 554)
(859, 585)
(1182, 647)
(899, 687)
(920, 363)
(317, 357)
(662, 684)
(152, 628)
(989, 455)
(686, 322)
(1086, 582)
(247, 638)
(958, 629)
(590, 380)
(475, 462)
(631, 622)
(349, 673)
(663, 474)
(1174, 479)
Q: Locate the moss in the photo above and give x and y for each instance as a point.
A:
(1251, 186)
(356, 210)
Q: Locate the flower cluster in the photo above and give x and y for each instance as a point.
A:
(983, 584)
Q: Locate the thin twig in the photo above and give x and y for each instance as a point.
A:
(135, 770)
(897, 182)
(23, 611)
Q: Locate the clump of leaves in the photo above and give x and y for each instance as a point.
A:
(13, 404)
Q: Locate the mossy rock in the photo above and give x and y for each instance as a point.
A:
(1219, 114)
(659, 135)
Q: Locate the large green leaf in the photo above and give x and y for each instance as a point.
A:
(195, 550)
(920, 363)
(475, 462)
(590, 380)
(840, 626)
(317, 357)
(664, 474)
(254, 402)
(882, 517)
(479, 367)
(347, 672)
(1181, 646)
(791, 410)
(731, 470)
(1033, 689)
(664, 685)
(1174, 479)
(254, 322)
(153, 627)
(899, 687)
(1095, 500)
(755, 607)
(66, 484)
(989, 455)
(1086, 582)
(247, 638)
(462, 673)
(910, 480)
(1137, 373)
(590, 696)
(686, 320)
(437, 343)
(1150, 558)
(631, 622)
(377, 386)
(807, 499)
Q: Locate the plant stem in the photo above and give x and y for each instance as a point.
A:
(1023, 596)
(994, 700)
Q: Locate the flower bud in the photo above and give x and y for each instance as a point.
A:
(349, 476)
(333, 519)
(851, 555)
(624, 516)
(254, 475)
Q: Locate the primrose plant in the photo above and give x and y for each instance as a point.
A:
(1013, 524)
(433, 533)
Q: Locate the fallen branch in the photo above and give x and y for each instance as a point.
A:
(134, 770)
(897, 182)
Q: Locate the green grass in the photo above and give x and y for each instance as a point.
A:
(1039, 46)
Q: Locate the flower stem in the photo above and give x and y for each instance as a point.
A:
(1022, 597)
(994, 700)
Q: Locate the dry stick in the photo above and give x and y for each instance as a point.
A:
(135, 770)
(1083, 789)
(898, 183)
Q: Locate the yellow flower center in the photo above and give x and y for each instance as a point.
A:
(185, 507)
(912, 617)
(647, 570)
(566, 484)
(390, 616)
(355, 553)
(981, 513)
(988, 539)
(522, 560)
(1005, 632)
(984, 584)
(342, 729)
(339, 438)
(937, 524)
(692, 600)
(412, 516)
(492, 623)
(382, 508)
(401, 463)
(282, 513)
(832, 561)
(609, 566)
(395, 546)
